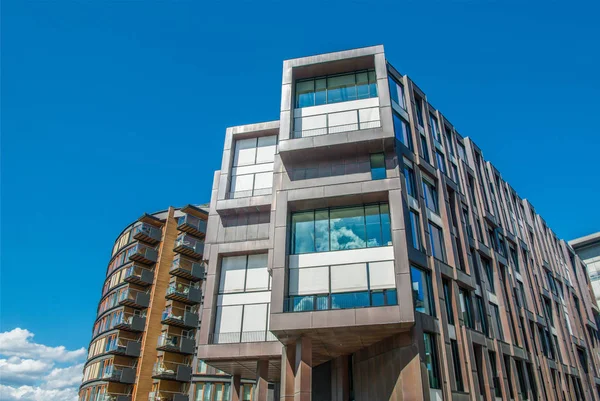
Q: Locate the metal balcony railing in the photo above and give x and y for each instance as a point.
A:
(146, 232)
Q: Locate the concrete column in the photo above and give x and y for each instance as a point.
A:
(303, 370)
(262, 384)
(236, 388)
(288, 360)
(340, 383)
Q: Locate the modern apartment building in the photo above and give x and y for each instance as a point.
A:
(358, 248)
(588, 249)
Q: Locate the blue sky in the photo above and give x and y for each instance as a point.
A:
(113, 109)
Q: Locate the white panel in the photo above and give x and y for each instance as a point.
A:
(229, 319)
(343, 118)
(263, 180)
(342, 257)
(255, 318)
(233, 274)
(309, 123)
(369, 114)
(265, 151)
(381, 275)
(348, 277)
(257, 276)
(335, 107)
(241, 185)
(251, 169)
(245, 152)
(309, 281)
(244, 298)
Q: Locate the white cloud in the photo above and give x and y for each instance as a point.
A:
(17, 343)
(36, 372)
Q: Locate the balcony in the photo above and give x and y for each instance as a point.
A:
(190, 246)
(176, 371)
(192, 225)
(336, 122)
(184, 293)
(113, 397)
(119, 374)
(142, 253)
(188, 269)
(125, 346)
(131, 322)
(167, 396)
(174, 343)
(241, 337)
(134, 298)
(344, 300)
(136, 274)
(147, 233)
(179, 317)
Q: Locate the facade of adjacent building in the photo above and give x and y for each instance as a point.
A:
(588, 249)
(360, 248)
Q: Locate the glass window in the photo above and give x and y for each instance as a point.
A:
(431, 360)
(341, 88)
(466, 308)
(436, 239)
(425, 149)
(448, 299)
(489, 272)
(347, 228)
(497, 322)
(495, 377)
(435, 129)
(422, 292)
(378, 166)
(440, 162)
(483, 324)
(449, 141)
(411, 182)
(460, 386)
(431, 197)
(322, 230)
(336, 88)
(349, 300)
(397, 92)
(402, 131)
(419, 110)
(305, 93)
(303, 229)
(461, 151)
(415, 228)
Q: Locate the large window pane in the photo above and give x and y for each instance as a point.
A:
(341, 88)
(386, 230)
(421, 288)
(347, 228)
(402, 131)
(373, 219)
(305, 95)
(303, 231)
(431, 360)
(350, 300)
(431, 197)
(409, 177)
(436, 239)
(322, 230)
(378, 166)
(320, 91)
(415, 228)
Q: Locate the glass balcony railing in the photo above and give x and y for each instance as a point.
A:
(176, 343)
(241, 337)
(187, 268)
(188, 245)
(139, 275)
(123, 346)
(134, 298)
(346, 300)
(192, 224)
(143, 253)
(172, 371)
(112, 397)
(119, 373)
(168, 396)
(131, 322)
(147, 233)
(180, 317)
(184, 293)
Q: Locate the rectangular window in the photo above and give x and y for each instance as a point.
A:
(495, 378)
(515, 258)
(522, 384)
(461, 152)
(497, 322)
(431, 197)
(336, 88)
(483, 322)
(460, 386)
(431, 360)
(378, 166)
(489, 273)
(415, 228)
(441, 164)
(422, 291)
(466, 308)
(419, 110)
(402, 131)
(425, 149)
(411, 182)
(449, 141)
(436, 239)
(435, 129)
(448, 298)
(341, 228)
(397, 92)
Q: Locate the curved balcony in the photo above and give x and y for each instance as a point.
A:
(176, 371)
(124, 346)
(113, 397)
(136, 274)
(168, 396)
(179, 317)
(147, 233)
(142, 253)
(192, 225)
(134, 298)
(186, 268)
(174, 343)
(185, 293)
(119, 374)
(131, 322)
(190, 246)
